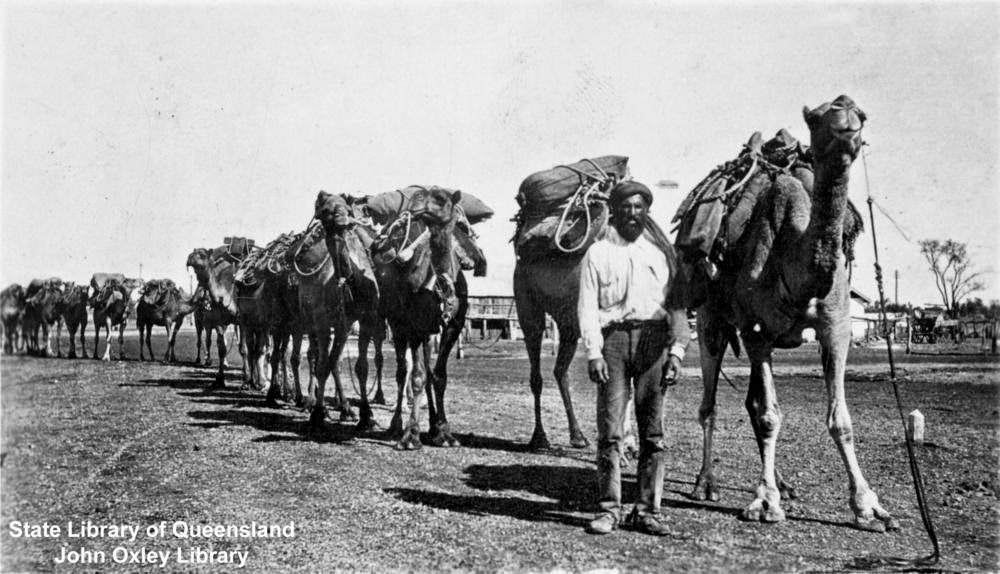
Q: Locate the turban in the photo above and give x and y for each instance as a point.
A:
(627, 189)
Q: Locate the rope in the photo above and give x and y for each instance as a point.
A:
(918, 483)
(746, 178)
(298, 250)
(408, 216)
(586, 209)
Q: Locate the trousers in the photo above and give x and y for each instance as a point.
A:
(634, 356)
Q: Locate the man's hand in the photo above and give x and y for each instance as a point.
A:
(598, 370)
(671, 372)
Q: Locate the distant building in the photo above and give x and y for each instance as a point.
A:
(492, 313)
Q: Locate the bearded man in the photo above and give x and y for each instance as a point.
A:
(635, 330)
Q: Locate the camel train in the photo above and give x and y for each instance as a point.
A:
(764, 242)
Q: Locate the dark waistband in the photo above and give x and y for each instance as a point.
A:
(633, 325)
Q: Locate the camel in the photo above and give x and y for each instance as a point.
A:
(787, 272)
(215, 269)
(110, 308)
(423, 291)
(161, 303)
(41, 312)
(550, 285)
(12, 306)
(350, 295)
(205, 321)
(267, 297)
(73, 311)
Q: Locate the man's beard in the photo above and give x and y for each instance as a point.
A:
(631, 228)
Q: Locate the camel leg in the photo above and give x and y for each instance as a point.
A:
(440, 429)
(71, 329)
(166, 354)
(322, 358)
(533, 327)
(366, 421)
(171, 349)
(97, 337)
(197, 334)
(107, 340)
(253, 346)
(59, 325)
(712, 346)
(765, 417)
(312, 380)
(339, 342)
(296, 360)
(379, 362)
(208, 347)
(417, 379)
(868, 512)
(569, 336)
(83, 338)
(121, 341)
(220, 341)
(403, 391)
(274, 390)
(47, 334)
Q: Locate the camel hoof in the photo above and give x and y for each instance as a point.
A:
(539, 441)
(272, 403)
(379, 398)
(761, 511)
(870, 525)
(410, 441)
(442, 437)
(577, 440)
(317, 419)
(348, 415)
(366, 424)
(705, 489)
(71, 355)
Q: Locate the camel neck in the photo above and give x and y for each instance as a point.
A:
(829, 204)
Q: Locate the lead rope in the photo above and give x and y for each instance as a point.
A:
(918, 483)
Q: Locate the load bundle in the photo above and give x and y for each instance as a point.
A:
(563, 210)
(387, 206)
(715, 213)
(269, 262)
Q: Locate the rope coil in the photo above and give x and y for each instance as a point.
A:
(310, 228)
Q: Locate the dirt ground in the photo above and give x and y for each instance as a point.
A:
(144, 443)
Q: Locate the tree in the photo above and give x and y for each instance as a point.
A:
(952, 268)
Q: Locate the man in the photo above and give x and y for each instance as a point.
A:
(631, 321)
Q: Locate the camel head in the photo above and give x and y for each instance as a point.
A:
(440, 206)
(198, 261)
(13, 294)
(835, 130)
(332, 211)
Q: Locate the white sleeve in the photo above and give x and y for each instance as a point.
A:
(587, 308)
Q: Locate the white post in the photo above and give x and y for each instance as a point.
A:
(915, 426)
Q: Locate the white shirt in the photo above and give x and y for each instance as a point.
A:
(621, 281)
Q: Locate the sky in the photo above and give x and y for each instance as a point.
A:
(135, 132)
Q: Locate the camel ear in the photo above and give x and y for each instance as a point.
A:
(456, 197)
